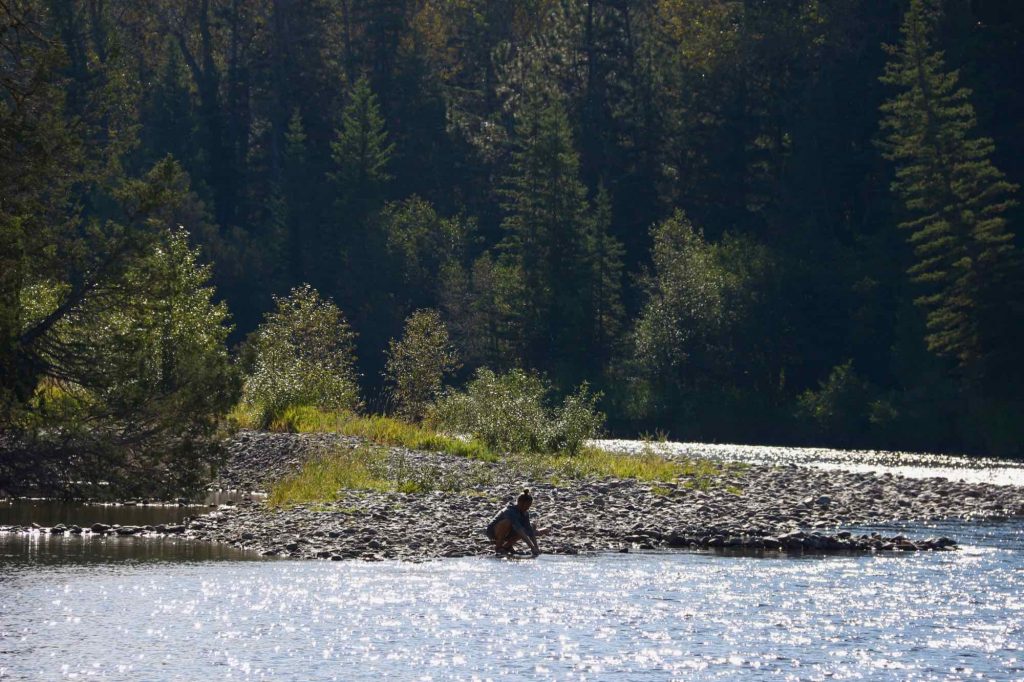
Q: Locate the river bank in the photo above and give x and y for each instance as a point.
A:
(747, 507)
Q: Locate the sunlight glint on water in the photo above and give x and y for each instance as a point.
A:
(636, 616)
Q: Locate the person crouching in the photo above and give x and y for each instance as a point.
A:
(512, 524)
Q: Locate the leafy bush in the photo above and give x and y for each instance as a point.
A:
(841, 408)
(304, 355)
(416, 365)
(510, 413)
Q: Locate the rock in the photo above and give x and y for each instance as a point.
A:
(99, 528)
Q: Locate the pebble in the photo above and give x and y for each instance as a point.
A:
(778, 509)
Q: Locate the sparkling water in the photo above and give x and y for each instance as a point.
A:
(138, 614)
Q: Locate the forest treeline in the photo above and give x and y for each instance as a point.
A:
(739, 220)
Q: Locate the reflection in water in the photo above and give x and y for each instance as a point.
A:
(21, 551)
(52, 512)
(952, 615)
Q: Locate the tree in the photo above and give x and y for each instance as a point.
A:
(297, 195)
(685, 308)
(545, 230)
(417, 364)
(421, 245)
(604, 259)
(956, 203)
(697, 356)
(304, 356)
(361, 152)
(131, 380)
(352, 252)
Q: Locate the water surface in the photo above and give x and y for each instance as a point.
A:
(633, 616)
(991, 470)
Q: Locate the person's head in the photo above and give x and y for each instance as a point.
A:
(524, 501)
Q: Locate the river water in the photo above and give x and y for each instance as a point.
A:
(165, 609)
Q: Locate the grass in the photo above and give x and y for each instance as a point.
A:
(375, 468)
(375, 428)
(361, 468)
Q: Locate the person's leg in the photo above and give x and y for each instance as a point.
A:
(504, 537)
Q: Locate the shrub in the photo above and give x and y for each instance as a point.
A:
(416, 365)
(304, 355)
(509, 413)
(839, 410)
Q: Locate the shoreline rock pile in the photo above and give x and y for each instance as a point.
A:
(753, 508)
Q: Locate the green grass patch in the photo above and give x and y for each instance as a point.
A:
(362, 468)
(375, 428)
(594, 462)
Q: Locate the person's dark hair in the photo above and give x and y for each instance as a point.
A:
(525, 497)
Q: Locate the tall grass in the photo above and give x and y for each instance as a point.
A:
(375, 428)
(592, 462)
(373, 468)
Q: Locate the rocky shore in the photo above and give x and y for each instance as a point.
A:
(748, 508)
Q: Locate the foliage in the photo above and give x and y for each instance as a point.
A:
(504, 162)
(840, 407)
(114, 355)
(361, 149)
(418, 363)
(686, 299)
(304, 355)
(135, 381)
(956, 202)
(510, 413)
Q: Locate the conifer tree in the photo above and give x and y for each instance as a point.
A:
(361, 153)
(296, 189)
(545, 227)
(361, 150)
(604, 254)
(956, 202)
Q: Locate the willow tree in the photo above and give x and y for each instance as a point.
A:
(956, 204)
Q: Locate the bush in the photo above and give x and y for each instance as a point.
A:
(416, 365)
(509, 413)
(304, 355)
(841, 409)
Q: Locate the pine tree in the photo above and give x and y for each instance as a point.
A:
(361, 154)
(297, 195)
(956, 201)
(604, 255)
(361, 150)
(545, 229)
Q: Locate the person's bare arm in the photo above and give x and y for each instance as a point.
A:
(528, 539)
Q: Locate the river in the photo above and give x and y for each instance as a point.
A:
(166, 609)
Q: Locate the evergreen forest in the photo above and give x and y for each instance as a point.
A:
(756, 221)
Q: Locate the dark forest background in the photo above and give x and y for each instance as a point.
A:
(742, 221)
